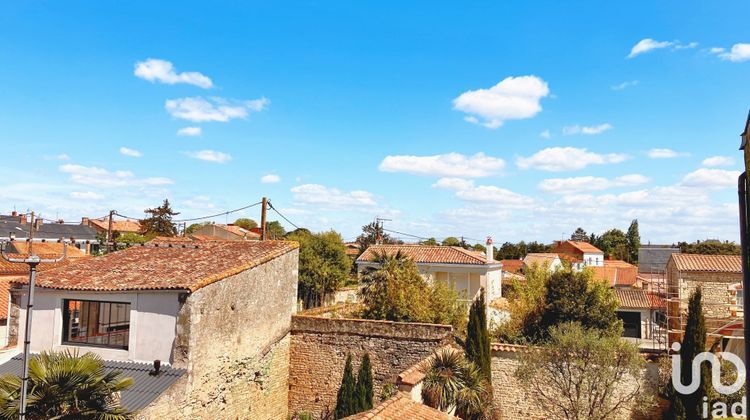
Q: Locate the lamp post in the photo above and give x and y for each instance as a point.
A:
(33, 261)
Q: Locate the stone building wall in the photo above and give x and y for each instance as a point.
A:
(233, 337)
(319, 346)
(717, 295)
(512, 401)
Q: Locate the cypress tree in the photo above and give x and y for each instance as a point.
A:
(346, 404)
(694, 343)
(477, 345)
(364, 388)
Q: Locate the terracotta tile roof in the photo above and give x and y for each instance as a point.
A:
(632, 298)
(616, 273)
(712, 263)
(512, 266)
(4, 296)
(656, 301)
(585, 247)
(401, 407)
(427, 254)
(163, 267)
(239, 231)
(540, 259)
(50, 250)
(121, 226)
(508, 348)
(172, 240)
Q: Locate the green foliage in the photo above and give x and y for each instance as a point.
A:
(579, 235)
(613, 243)
(274, 230)
(397, 292)
(323, 265)
(453, 382)
(479, 247)
(159, 221)
(575, 375)
(511, 251)
(430, 241)
(547, 299)
(694, 343)
(364, 387)
(246, 223)
(370, 234)
(477, 344)
(633, 242)
(132, 238)
(387, 391)
(195, 226)
(451, 241)
(711, 247)
(67, 386)
(346, 402)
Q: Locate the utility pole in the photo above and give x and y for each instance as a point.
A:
(263, 206)
(109, 230)
(379, 232)
(32, 260)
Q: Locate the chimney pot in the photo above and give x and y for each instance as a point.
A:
(490, 250)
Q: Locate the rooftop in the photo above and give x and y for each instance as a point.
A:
(708, 263)
(401, 407)
(117, 225)
(584, 247)
(540, 259)
(512, 266)
(632, 298)
(427, 254)
(616, 273)
(163, 267)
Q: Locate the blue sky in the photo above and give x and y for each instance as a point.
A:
(519, 120)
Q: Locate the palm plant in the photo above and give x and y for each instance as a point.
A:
(64, 385)
(473, 400)
(452, 382)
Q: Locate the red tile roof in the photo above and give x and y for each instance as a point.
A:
(616, 273)
(49, 250)
(427, 254)
(163, 267)
(401, 407)
(540, 259)
(632, 298)
(656, 301)
(241, 232)
(4, 296)
(712, 263)
(121, 226)
(512, 266)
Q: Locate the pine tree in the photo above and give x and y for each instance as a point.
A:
(694, 343)
(346, 405)
(477, 345)
(159, 221)
(364, 389)
(633, 238)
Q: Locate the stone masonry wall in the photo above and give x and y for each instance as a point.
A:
(512, 401)
(319, 347)
(234, 339)
(717, 296)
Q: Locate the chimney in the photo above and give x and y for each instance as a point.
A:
(37, 223)
(22, 219)
(85, 221)
(14, 214)
(490, 250)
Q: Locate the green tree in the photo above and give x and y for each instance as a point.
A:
(370, 234)
(451, 381)
(195, 226)
(526, 307)
(479, 247)
(694, 343)
(451, 241)
(613, 243)
(575, 375)
(274, 230)
(477, 344)
(246, 223)
(633, 242)
(159, 221)
(132, 238)
(346, 403)
(710, 247)
(323, 265)
(430, 242)
(579, 235)
(364, 387)
(65, 385)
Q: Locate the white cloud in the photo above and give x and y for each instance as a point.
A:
(210, 156)
(589, 183)
(496, 195)
(270, 179)
(716, 50)
(198, 109)
(99, 177)
(690, 45)
(556, 159)
(625, 85)
(162, 71)
(130, 152)
(545, 134)
(588, 130)
(514, 98)
(200, 202)
(711, 178)
(453, 183)
(718, 161)
(190, 131)
(647, 44)
(86, 195)
(332, 198)
(664, 153)
(738, 53)
(448, 165)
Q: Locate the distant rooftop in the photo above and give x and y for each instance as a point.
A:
(710, 263)
(427, 254)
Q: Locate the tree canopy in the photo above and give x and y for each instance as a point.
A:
(712, 247)
(579, 235)
(274, 230)
(323, 264)
(246, 223)
(515, 251)
(451, 241)
(159, 221)
(370, 234)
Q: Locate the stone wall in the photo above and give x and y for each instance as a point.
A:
(233, 339)
(512, 401)
(319, 346)
(717, 295)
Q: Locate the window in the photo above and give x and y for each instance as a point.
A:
(740, 298)
(95, 323)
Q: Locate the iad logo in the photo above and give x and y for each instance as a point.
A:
(715, 372)
(719, 409)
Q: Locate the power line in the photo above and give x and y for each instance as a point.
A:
(405, 234)
(282, 216)
(218, 214)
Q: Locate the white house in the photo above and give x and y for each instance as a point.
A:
(546, 260)
(465, 270)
